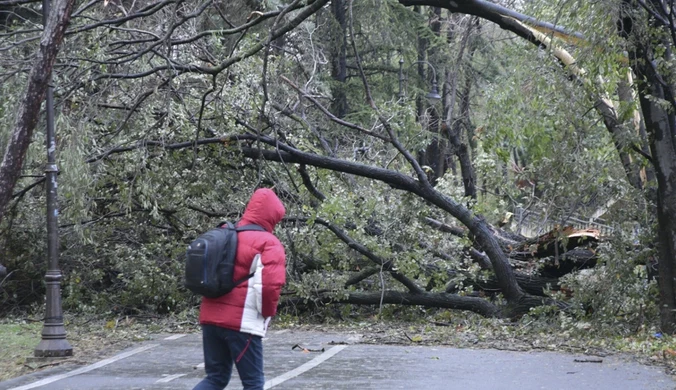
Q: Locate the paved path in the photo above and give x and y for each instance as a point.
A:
(175, 362)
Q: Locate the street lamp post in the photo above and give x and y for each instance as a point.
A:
(53, 343)
(433, 96)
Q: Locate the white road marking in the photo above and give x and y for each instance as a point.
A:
(174, 337)
(82, 370)
(170, 378)
(305, 367)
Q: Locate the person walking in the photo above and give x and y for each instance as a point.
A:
(234, 324)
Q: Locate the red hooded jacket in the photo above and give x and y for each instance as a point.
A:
(248, 307)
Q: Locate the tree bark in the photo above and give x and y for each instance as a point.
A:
(661, 126)
(453, 118)
(29, 107)
(654, 91)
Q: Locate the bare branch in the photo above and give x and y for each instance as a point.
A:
(332, 117)
(214, 70)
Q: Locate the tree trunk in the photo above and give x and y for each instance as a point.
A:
(338, 60)
(661, 127)
(657, 104)
(452, 124)
(29, 107)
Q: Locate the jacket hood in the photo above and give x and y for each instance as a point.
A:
(264, 209)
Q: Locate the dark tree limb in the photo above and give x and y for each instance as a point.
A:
(29, 187)
(503, 17)
(426, 299)
(446, 228)
(302, 170)
(478, 227)
(413, 288)
(362, 275)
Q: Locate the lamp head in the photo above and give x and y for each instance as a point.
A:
(433, 96)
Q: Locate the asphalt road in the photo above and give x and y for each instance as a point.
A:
(339, 361)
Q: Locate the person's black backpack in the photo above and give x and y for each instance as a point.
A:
(210, 260)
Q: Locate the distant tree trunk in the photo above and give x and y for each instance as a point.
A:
(422, 49)
(339, 59)
(455, 118)
(29, 107)
(435, 156)
(439, 158)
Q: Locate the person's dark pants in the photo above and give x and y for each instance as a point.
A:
(222, 348)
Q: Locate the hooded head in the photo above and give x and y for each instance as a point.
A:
(264, 209)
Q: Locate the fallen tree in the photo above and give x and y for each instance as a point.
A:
(524, 265)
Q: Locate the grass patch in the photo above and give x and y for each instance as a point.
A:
(18, 340)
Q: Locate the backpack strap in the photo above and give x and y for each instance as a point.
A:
(226, 224)
(246, 228)
(251, 227)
